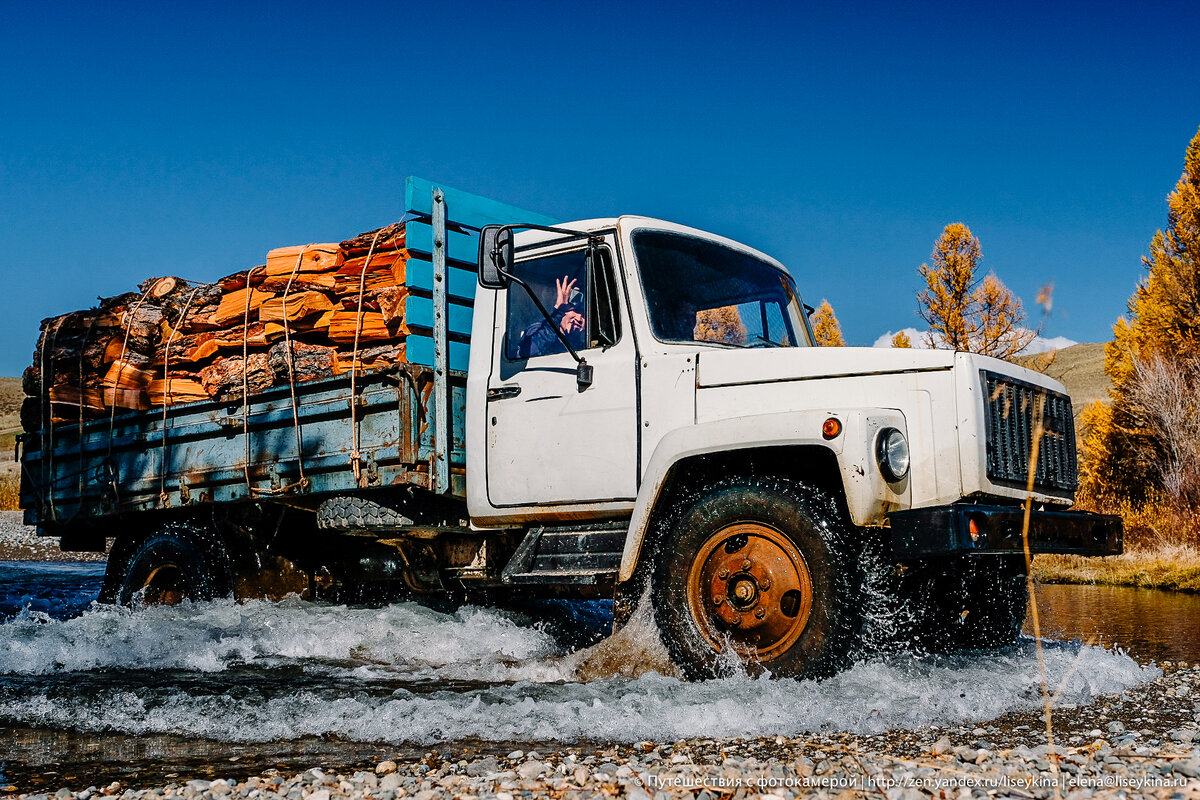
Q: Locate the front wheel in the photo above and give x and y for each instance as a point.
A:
(758, 573)
(177, 562)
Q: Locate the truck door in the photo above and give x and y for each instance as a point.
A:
(548, 442)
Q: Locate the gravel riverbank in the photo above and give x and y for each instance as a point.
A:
(1142, 743)
(19, 542)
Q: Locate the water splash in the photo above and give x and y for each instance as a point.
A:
(260, 672)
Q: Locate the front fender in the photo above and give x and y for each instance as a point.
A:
(868, 495)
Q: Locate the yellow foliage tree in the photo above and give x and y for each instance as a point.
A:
(826, 328)
(901, 340)
(1129, 457)
(723, 325)
(963, 312)
(1164, 311)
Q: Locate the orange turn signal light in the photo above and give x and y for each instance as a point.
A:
(973, 529)
(831, 428)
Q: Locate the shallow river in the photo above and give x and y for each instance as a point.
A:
(222, 688)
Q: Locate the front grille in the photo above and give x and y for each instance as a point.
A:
(1010, 416)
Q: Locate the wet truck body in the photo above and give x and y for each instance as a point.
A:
(619, 408)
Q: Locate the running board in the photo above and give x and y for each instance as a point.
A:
(579, 555)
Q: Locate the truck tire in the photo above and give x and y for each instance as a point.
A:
(352, 513)
(759, 573)
(971, 604)
(179, 561)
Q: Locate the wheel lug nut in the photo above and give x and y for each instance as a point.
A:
(723, 574)
(717, 599)
(759, 613)
(766, 584)
(737, 620)
(746, 564)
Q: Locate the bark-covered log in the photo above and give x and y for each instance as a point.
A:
(390, 237)
(143, 322)
(308, 362)
(371, 358)
(223, 378)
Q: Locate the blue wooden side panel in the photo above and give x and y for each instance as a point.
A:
(465, 214)
(461, 283)
(465, 208)
(462, 249)
(419, 350)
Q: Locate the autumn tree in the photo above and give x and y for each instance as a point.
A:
(722, 325)
(901, 340)
(1140, 442)
(964, 312)
(826, 328)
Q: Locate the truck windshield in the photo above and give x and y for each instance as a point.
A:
(698, 290)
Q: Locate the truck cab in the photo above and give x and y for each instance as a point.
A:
(750, 473)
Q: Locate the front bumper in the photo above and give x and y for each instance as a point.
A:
(947, 530)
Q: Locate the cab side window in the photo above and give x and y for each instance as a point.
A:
(582, 305)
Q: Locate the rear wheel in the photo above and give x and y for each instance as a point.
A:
(758, 572)
(177, 562)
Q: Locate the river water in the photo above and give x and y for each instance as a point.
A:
(228, 689)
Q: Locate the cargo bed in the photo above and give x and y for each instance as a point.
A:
(401, 425)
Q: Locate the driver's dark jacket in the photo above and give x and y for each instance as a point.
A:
(539, 339)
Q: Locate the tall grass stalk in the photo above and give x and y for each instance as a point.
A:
(1047, 700)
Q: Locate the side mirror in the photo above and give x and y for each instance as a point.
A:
(495, 256)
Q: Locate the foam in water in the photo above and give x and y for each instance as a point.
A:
(405, 674)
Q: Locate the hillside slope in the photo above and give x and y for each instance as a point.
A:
(1081, 369)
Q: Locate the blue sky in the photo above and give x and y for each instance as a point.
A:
(151, 139)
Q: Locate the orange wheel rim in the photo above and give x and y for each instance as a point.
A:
(162, 586)
(749, 591)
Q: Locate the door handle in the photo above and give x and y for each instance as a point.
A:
(502, 392)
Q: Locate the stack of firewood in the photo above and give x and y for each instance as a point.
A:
(175, 341)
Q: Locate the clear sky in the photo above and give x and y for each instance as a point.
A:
(162, 138)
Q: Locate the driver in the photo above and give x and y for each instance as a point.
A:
(539, 338)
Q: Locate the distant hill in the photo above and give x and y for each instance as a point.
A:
(1080, 368)
(11, 396)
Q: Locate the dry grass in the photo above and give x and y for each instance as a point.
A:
(10, 489)
(1162, 549)
(1175, 567)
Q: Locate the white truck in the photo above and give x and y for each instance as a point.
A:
(645, 416)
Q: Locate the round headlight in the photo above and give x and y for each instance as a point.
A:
(892, 452)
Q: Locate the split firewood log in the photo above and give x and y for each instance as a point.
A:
(133, 399)
(301, 282)
(344, 326)
(175, 390)
(233, 307)
(122, 374)
(298, 306)
(303, 258)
